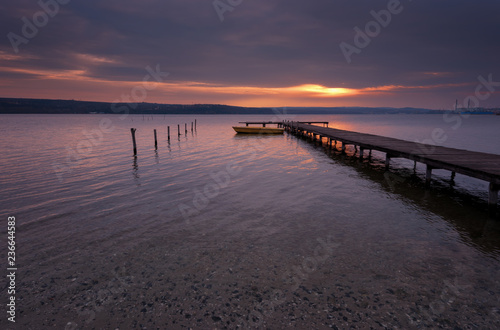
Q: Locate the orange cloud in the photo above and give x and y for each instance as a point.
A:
(94, 59)
(80, 85)
(301, 90)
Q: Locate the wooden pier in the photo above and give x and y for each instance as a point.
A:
(478, 165)
(280, 123)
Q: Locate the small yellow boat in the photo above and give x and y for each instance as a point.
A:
(258, 130)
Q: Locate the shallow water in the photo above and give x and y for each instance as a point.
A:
(214, 229)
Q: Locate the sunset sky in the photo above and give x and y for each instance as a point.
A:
(420, 53)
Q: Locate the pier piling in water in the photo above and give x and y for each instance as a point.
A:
(428, 175)
(493, 194)
(178, 130)
(185, 128)
(132, 130)
(168, 133)
(156, 140)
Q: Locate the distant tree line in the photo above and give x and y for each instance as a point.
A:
(33, 106)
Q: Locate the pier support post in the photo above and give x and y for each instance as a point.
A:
(453, 174)
(156, 140)
(178, 130)
(493, 194)
(361, 153)
(343, 147)
(168, 133)
(185, 128)
(191, 126)
(428, 174)
(387, 160)
(195, 124)
(132, 130)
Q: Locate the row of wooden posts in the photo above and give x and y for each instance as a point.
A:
(133, 130)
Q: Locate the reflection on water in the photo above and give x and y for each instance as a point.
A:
(157, 158)
(295, 238)
(466, 212)
(135, 168)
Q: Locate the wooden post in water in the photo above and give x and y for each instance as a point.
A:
(387, 160)
(185, 128)
(156, 140)
(191, 126)
(178, 130)
(195, 124)
(428, 174)
(168, 133)
(132, 130)
(493, 194)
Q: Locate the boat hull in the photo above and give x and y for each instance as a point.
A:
(258, 130)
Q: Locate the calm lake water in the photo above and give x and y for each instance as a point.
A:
(218, 230)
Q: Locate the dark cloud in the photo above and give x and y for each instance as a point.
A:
(262, 42)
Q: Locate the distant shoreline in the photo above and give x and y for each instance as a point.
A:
(44, 106)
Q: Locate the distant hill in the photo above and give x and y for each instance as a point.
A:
(34, 106)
